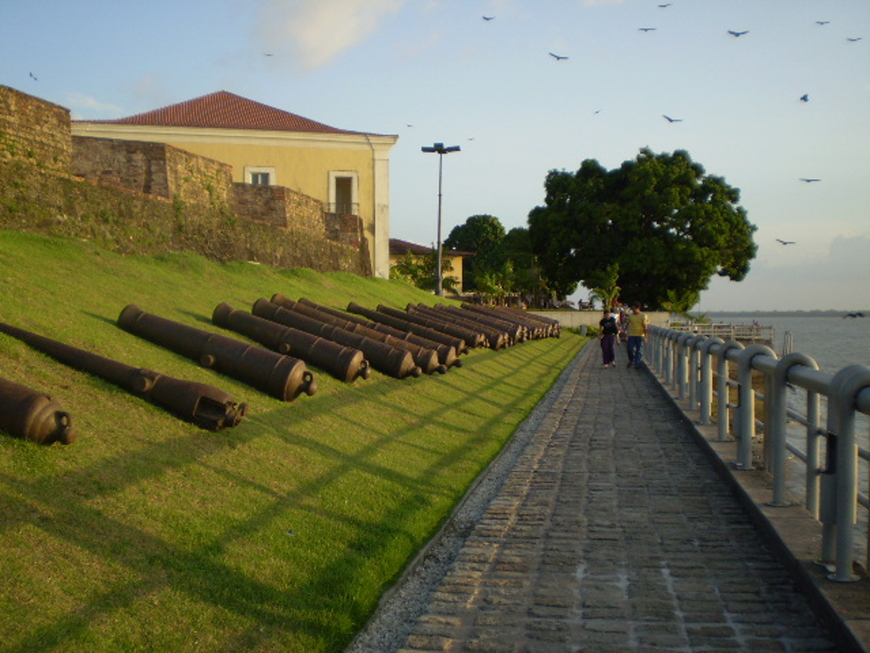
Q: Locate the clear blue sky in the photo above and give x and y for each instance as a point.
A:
(434, 70)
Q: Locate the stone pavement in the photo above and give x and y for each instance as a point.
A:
(609, 530)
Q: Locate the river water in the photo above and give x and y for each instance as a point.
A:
(834, 342)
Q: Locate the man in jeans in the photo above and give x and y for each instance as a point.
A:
(636, 329)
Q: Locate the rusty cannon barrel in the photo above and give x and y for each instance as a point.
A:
(493, 338)
(536, 329)
(471, 338)
(426, 359)
(279, 376)
(447, 355)
(528, 330)
(376, 317)
(32, 415)
(513, 332)
(199, 403)
(344, 363)
(394, 362)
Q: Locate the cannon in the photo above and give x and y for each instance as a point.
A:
(513, 332)
(344, 363)
(426, 359)
(280, 376)
(447, 355)
(31, 415)
(199, 403)
(384, 358)
(531, 331)
(458, 344)
(493, 338)
(471, 338)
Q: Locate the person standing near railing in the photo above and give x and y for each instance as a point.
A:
(607, 331)
(636, 327)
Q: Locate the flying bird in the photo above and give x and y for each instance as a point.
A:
(646, 29)
(852, 40)
(805, 97)
(785, 242)
(736, 34)
(664, 6)
(487, 17)
(669, 119)
(557, 57)
(822, 22)
(809, 181)
(33, 77)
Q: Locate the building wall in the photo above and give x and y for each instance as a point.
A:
(34, 131)
(302, 162)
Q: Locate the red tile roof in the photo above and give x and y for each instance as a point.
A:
(223, 110)
(400, 247)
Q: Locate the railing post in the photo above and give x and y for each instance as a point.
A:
(746, 414)
(682, 358)
(694, 344)
(706, 389)
(852, 380)
(777, 428)
(722, 388)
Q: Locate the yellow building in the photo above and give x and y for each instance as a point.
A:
(400, 248)
(347, 171)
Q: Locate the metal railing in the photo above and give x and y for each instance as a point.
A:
(685, 361)
(345, 208)
(744, 332)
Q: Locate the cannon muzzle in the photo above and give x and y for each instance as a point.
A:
(344, 363)
(31, 415)
(282, 377)
(394, 362)
(199, 403)
(425, 358)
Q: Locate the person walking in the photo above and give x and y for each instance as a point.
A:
(607, 331)
(636, 327)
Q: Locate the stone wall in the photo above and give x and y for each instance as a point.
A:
(148, 198)
(34, 131)
(154, 169)
(280, 207)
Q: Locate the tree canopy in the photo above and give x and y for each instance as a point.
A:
(658, 222)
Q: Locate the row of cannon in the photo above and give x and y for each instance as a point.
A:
(345, 344)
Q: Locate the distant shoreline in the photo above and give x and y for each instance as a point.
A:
(827, 313)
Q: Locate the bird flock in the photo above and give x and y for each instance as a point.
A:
(736, 34)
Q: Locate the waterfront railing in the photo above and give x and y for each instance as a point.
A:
(760, 333)
(721, 379)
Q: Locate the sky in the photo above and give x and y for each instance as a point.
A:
(436, 71)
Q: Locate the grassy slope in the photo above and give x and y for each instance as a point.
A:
(148, 533)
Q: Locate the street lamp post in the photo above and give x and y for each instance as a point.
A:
(441, 151)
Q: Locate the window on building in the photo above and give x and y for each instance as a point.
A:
(260, 176)
(343, 192)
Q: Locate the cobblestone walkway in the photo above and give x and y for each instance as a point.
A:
(612, 532)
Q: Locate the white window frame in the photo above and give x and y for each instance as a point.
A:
(354, 185)
(250, 171)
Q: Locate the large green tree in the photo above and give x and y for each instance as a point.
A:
(482, 235)
(659, 219)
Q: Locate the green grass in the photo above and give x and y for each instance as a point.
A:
(149, 534)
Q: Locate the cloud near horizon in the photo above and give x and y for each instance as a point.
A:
(317, 32)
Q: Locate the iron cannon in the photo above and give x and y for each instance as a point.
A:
(280, 376)
(471, 338)
(31, 415)
(447, 355)
(384, 358)
(492, 338)
(344, 363)
(204, 405)
(426, 359)
(377, 317)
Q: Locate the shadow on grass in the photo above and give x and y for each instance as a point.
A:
(432, 416)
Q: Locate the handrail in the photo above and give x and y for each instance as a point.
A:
(684, 361)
